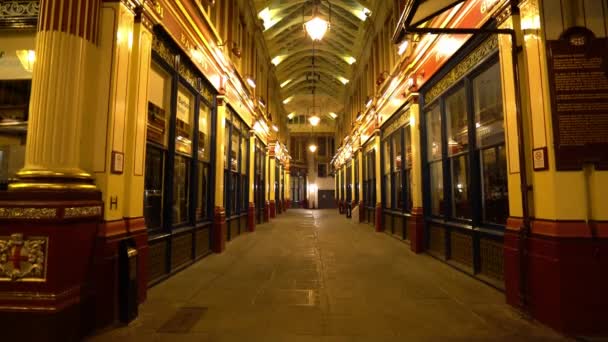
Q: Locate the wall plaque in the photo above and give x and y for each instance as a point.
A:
(578, 80)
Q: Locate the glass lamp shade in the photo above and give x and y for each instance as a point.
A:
(316, 28)
(312, 148)
(314, 120)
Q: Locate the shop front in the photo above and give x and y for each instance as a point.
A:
(396, 174)
(369, 183)
(236, 174)
(260, 181)
(465, 163)
(180, 149)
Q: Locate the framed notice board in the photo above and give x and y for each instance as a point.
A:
(578, 80)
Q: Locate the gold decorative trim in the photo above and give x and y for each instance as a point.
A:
(186, 73)
(402, 120)
(52, 186)
(23, 259)
(82, 212)
(28, 213)
(163, 51)
(461, 69)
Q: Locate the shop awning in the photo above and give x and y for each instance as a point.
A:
(417, 12)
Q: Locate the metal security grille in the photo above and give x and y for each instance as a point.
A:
(491, 259)
(461, 248)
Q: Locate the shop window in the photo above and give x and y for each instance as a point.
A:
(475, 156)
(434, 148)
(489, 126)
(386, 177)
(14, 104)
(356, 189)
(236, 198)
(184, 119)
(159, 96)
(178, 163)
(397, 159)
(204, 163)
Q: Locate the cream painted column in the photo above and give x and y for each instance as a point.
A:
(272, 179)
(379, 199)
(251, 165)
(67, 37)
(220, 153)
(106, 136)
(287, 185)
(415, 144)
(360, 180)
(135, 154)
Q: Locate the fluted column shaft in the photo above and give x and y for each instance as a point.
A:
(67, 34)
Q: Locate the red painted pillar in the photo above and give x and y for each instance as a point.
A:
(251, 217)
(218, 235)
(379, 226)
(415, 230)
(273, 209)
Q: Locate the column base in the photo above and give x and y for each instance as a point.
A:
(218, 235)
(287, 204)
(379, 226)
(266, 211)
(565, 278)
(251, 217)
(415, 230)
(47, 277)
(273, 209)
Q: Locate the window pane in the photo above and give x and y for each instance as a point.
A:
(437, 202)
(204, 133)
(159, 88)
(244, 154)
(234, 151)
(226, 145)
(184, 118)
(495, 194)
(398, 190)
(153, 194)
(203, 192)
(487, 97)
(388, 203)
(433, 125)
(456, 116)
(397, 160)
(234, 194)
(461, 203)
(387, 157)
(181, 188)
(245, 193)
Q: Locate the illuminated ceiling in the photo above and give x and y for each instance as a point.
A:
(291, 49)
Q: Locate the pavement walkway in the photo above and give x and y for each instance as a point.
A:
(317, 276)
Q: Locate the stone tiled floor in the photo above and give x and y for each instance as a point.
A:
(316, 276)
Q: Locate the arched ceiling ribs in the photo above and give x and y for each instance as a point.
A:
(303, 83)
(306, 89)
(327, 81)
(323, 70)
(320, 60)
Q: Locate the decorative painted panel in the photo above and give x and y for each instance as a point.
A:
(23, 258)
